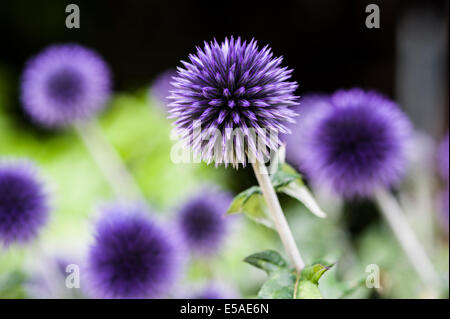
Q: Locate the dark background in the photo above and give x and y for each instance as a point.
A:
(325, 41)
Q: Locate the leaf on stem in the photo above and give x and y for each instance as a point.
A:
(285, 282)
(251, 203)
(288, 181)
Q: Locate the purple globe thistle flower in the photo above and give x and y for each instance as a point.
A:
(355, 143)
(24, 205)
(239, 96)
(132, 257)
(63, 84)
(160, 87)
(202, 221)
(443, 158)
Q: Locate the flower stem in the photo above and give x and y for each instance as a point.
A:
(396, 219)
(277, 215)
(108, 161)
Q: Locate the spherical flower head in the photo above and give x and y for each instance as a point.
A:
(64, 84)
(443, 158)
(160, 88)
(24, 204)
(132, 257)
(355, 143)
(203, 223)
(231, 101)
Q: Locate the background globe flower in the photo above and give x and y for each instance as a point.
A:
(132, 257)
(202, 221)
(160, 87)
(443, 158)
(228, 86)
(24, 204)
(64, 83)
(356, 144)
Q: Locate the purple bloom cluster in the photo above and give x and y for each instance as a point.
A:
(239, 94)
(63, 84)
(132, 257)
(24, 205)
(202, 221)
(353, 142)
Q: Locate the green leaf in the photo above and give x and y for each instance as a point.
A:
(251, 203)
(281, 281)
(307, 286)
(308, 290)
(268, 260)
(284, 282)
(284, 176)
(314, 272)
(280, 285)
(239, 201)
(301, 193)
(287, 180)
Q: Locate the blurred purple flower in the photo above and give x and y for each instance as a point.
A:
(354, 143)
(202, 221)
(160, 87)
(132, 257)
(228, 86)
(444, 205)
(216, 291)
(64, 83)
(24, 205)
(443, 158)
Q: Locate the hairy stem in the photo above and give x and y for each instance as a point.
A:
(277, 215)
(108, 161)
(396, 219)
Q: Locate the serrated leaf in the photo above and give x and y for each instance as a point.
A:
(251, 203)
(268, 260)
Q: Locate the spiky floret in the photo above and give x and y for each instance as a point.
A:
(240, 96)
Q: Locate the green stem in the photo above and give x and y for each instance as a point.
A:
(277, 215)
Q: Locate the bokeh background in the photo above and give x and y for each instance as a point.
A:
(329, 47)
